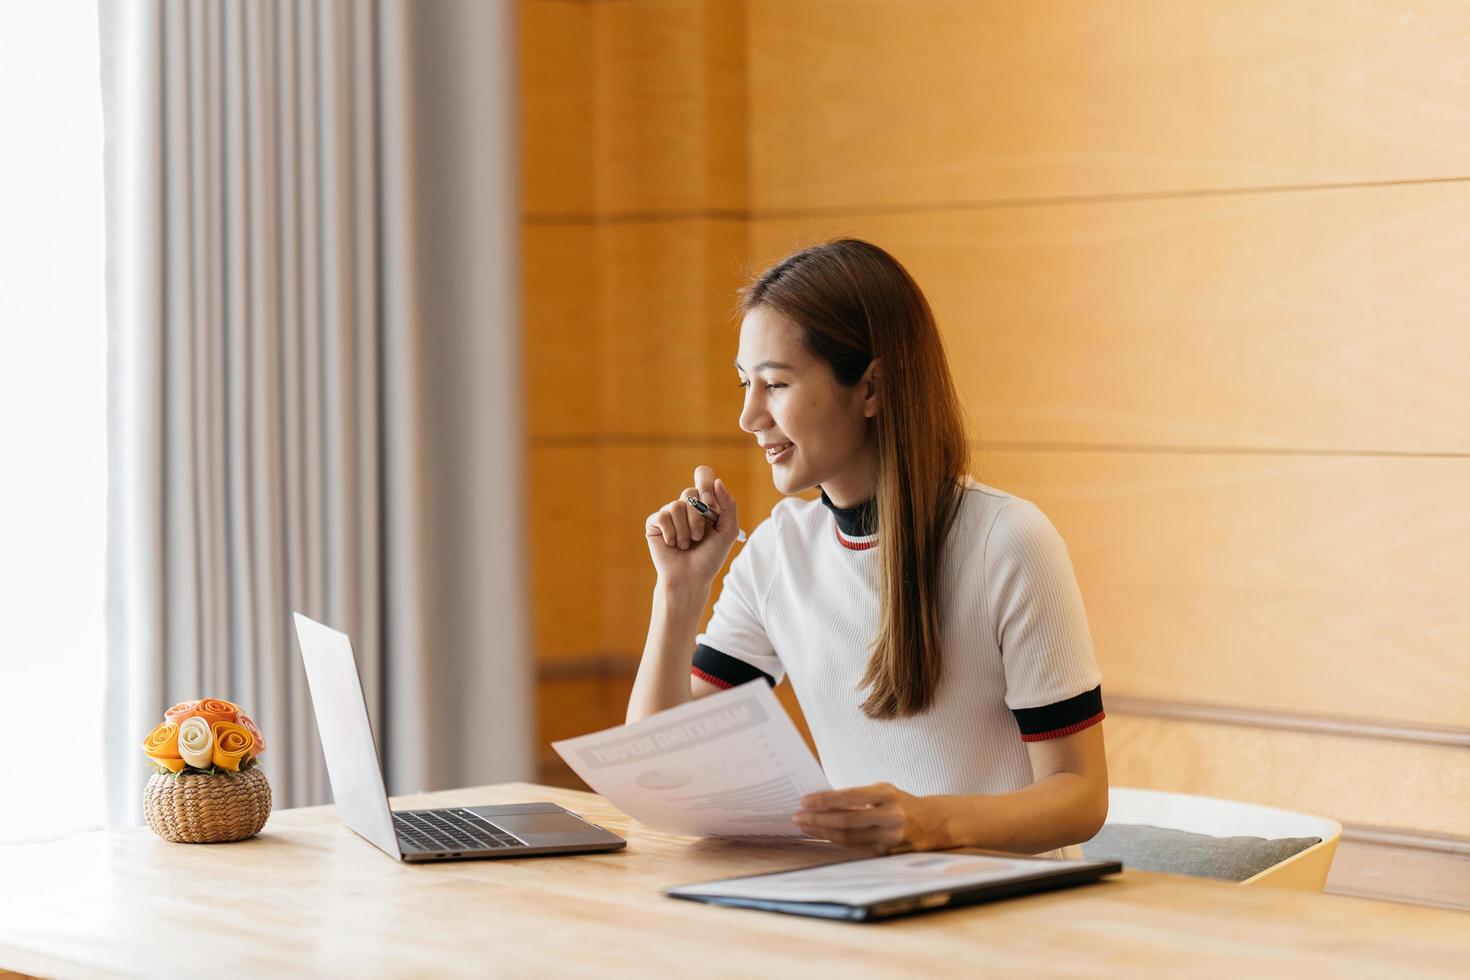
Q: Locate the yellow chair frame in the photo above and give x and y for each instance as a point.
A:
(1304, 871)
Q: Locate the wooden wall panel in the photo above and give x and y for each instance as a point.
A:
(556, 86)
(869, 103)
(1322, 320)
(1422, 788)
(631, 107)
(670, 105)
(631, 327)
(1425, 877)
(565, 543)
(559, 316)
(1311, 585)
(667, 334)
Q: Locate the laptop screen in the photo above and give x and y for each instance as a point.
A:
(347, 736)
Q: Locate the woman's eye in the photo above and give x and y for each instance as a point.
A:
(773, 385)
(743, 384)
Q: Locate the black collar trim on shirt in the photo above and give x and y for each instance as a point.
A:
(854, 522)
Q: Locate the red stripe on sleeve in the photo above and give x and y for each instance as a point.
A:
(1070, 729)
(723, 685)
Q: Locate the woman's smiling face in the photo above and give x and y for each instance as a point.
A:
(814, 430)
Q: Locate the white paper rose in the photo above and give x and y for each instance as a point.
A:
(196, 742)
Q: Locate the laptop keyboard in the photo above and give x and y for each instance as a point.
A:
(451, 830)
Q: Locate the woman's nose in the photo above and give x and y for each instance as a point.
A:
(753, 417)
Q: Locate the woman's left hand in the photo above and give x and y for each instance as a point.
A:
(880, 818)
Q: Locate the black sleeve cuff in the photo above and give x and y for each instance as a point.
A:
(723, 670)
(1062, 718)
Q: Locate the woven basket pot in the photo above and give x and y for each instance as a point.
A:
(199, 808)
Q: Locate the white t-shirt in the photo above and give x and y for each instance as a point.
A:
(801, 600)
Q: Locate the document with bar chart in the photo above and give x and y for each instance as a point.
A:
(730, 764)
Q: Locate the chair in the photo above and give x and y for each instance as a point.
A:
(1305, 870)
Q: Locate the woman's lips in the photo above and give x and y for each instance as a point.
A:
(778, 452)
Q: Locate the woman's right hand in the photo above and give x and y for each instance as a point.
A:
(688, 549)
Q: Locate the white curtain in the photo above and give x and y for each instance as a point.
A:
(313, 378)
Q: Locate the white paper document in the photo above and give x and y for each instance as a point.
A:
(730, 764)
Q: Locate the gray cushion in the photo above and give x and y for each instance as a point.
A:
(1180, 852)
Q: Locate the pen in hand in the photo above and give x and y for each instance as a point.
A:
(710, 515)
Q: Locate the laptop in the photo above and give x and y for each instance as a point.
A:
(442, 834)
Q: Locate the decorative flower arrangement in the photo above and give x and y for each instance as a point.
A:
(207, 786)
(209, 736)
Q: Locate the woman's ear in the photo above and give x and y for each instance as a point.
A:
(871, 381)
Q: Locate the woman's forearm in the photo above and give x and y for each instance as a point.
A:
(663, 673)
(1060, 809)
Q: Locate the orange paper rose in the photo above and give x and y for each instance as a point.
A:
(210, 709)
(246, 723)
(180, 711)
(162, 746)
(232, 743)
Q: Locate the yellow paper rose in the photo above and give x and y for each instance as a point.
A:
(232, 743)
(162, 746)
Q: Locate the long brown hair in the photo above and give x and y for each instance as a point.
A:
(853, 303)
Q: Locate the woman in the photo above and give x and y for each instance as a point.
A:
(931, 626)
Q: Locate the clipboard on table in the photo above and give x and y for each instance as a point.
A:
(871, 889)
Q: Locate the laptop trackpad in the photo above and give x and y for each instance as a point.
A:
(544, 828)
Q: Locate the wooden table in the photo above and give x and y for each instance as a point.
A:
(309, 897)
